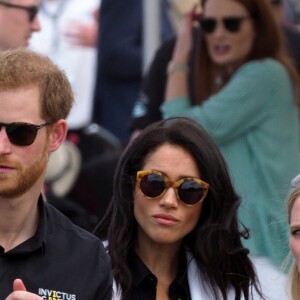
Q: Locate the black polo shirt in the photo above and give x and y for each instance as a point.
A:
(61, 261)
(144, 282)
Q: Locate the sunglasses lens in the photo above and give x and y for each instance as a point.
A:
(276, 2)
(190, 192)
(152, 185)
(32, 13)
(21, 134)
(208, 25)
(232, 24)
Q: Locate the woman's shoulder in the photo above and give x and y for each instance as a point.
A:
(264, 66)
(268, 71)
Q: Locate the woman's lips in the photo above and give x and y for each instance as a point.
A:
(221, 49)
(165, 219)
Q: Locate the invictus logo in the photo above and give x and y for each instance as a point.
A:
(55, 295)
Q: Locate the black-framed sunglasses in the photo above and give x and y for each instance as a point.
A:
(31, 10)
(231, 24)
(276, 2)
(22, 134)
(154, 184)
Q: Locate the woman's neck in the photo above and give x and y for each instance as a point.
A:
(161, 260)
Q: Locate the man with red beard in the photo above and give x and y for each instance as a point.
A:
(42, 254)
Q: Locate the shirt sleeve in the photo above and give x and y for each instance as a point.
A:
(243, 103)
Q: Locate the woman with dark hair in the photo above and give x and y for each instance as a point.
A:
(247, 98)
(172, 227)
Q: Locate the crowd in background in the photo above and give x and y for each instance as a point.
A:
(248, 104)
(103, 60)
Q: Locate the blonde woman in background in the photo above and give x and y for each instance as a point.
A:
(294, 221)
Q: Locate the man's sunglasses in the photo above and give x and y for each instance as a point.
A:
(231, 24)
(154, 184)
(31, 10)
(22, 134)
(276, 2)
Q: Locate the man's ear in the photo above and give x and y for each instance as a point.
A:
(57, 135)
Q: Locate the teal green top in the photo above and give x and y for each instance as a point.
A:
(255, 123)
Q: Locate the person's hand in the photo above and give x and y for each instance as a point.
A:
(80, 34)
(184, 41)
(84, 35)
(20, 293)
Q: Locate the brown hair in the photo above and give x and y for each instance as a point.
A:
(268, 43)
(21, 68)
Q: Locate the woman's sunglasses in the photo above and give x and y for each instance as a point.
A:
(22, 134)
(154, 184)
(231, 24)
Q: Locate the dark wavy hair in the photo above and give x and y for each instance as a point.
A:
(215, 242)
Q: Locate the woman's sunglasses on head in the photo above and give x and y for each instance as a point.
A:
(231, 24)
(154, 184)
(22, 134)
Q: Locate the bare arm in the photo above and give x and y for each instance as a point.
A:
(177, 82)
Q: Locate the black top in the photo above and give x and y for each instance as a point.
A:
(61, 261)
(144, 282)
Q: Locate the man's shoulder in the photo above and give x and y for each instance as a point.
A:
(84, 266)
(58, 225)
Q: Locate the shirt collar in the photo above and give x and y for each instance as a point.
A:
(37, 241)
(140, 271)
